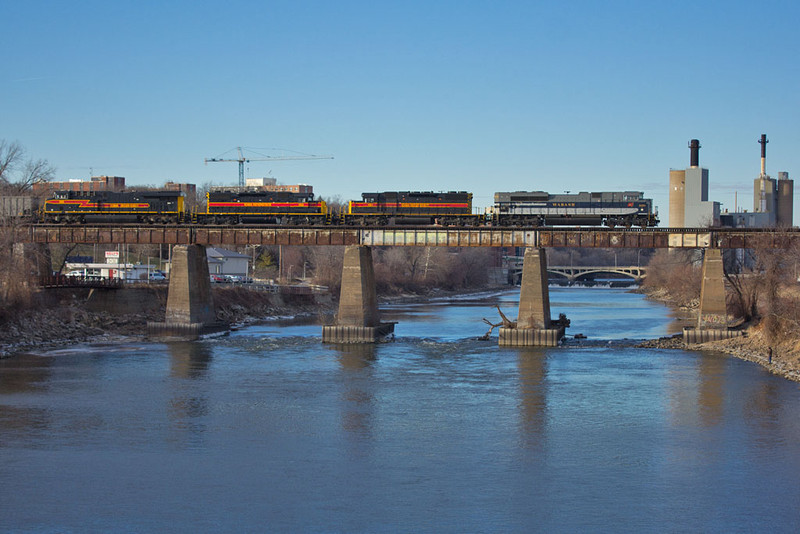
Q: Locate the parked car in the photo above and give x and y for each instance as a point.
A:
(157, 276)
(217, 279)
(232, 278)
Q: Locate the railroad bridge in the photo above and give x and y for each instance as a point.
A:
(190, 310)
(410, 236)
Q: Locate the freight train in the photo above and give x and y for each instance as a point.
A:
(387, 208)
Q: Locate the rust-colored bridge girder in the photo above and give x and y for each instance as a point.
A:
(399, 236)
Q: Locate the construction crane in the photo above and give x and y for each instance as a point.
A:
(242, 160)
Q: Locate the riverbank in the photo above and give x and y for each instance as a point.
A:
(69, 317)
(752, 346)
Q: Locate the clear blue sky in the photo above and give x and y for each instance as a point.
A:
(477, 96)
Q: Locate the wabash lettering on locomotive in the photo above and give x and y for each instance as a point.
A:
(538, 208)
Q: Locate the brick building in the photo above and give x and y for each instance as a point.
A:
(96, 183)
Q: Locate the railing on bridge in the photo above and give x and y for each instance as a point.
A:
(427, 236)
(62, 280)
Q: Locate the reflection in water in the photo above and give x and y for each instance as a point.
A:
(22, 373)
(25, 373)
(711, 391)
(188, 360)
(697, 392)
(357, 397)
(532, 365)
(763, 413)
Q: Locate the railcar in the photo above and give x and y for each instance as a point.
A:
(264, 207)
(151, 207)
(18, 207)
(453, 208)
(538, 208)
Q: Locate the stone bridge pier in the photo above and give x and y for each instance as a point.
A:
(190, 307)
(534, 325)
(712, 317)
(31, 260)
(358, 320)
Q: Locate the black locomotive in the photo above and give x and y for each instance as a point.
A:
(538, 208)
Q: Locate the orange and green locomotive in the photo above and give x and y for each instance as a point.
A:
(263, 207)
(453, 208)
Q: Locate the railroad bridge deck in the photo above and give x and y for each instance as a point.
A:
(411, 236)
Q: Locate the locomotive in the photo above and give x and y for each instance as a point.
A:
(152, 207)
(538, 208)
(264, 207)
(453, 208)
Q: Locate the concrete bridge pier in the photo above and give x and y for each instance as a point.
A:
(534, 326)
(31, 260)
(358, 320)
(712, 317)
(190, 306)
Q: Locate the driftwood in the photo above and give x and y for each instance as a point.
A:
(505, 323)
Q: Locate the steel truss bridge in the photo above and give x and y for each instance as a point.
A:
(409, 236)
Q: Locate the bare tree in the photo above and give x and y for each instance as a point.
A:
(18, 265)
(17, 174)
(675, 272)
(745, 284)
(326, 265)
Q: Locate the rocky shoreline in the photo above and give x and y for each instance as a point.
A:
(71, 321)
(752, 346)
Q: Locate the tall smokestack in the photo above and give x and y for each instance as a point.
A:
(763, 143)
(694, 146)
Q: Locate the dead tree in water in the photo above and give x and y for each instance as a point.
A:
(505, 323)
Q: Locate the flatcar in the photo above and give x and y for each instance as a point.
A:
(149, 207)
(453, 208)
(263, 207)
(538, 208)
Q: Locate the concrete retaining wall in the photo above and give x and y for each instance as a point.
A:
(530, 337)
(702, 335)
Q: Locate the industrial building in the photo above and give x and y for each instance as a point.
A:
(773, 200)
(689, 206)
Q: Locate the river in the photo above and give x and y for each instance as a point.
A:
(268, 430)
